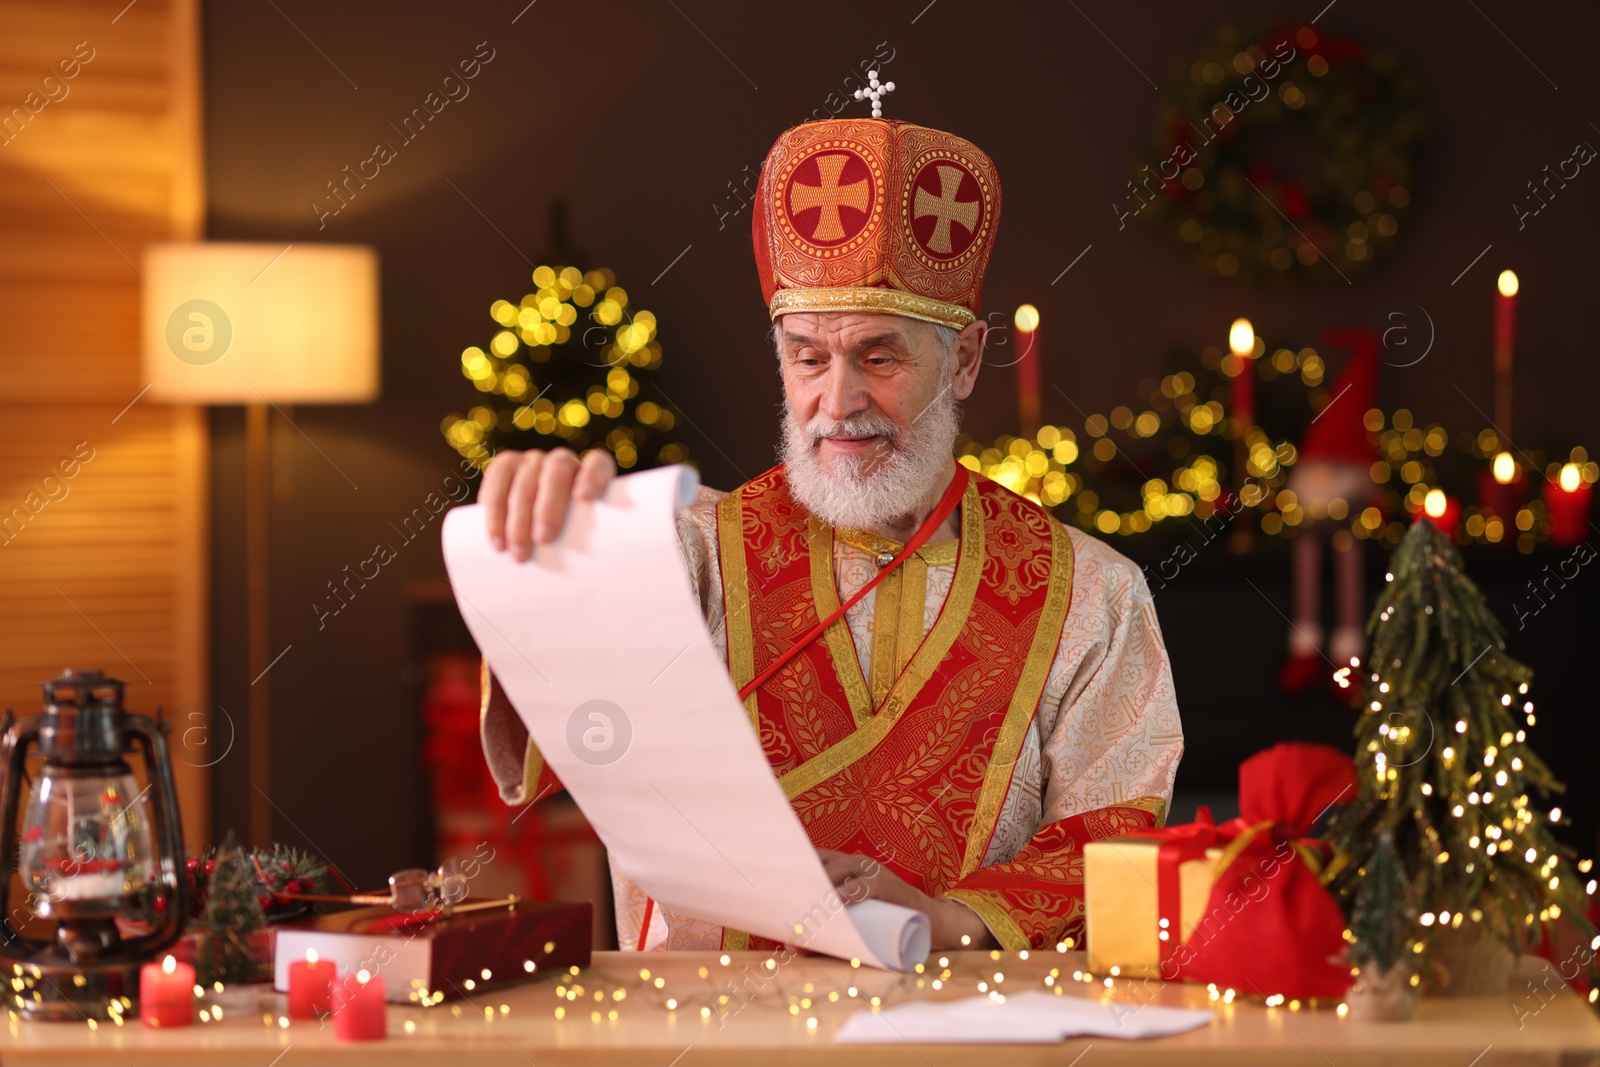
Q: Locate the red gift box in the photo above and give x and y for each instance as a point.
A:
(442, 957)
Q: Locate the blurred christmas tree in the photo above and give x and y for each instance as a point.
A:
(1445, 767)
(1382, 925)
(233, 919)
(571, 360)
(1382, 919)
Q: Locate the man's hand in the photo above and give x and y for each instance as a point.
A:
(526, 494)
(860, 877)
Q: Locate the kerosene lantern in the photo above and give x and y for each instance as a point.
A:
(87, 851)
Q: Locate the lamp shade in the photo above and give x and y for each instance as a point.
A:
(232, 323)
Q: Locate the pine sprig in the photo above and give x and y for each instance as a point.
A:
(277, 869)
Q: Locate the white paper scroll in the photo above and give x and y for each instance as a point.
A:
(600, 644)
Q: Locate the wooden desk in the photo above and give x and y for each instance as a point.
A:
(1476, 1032)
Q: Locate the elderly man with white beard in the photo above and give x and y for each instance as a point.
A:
(955, 690)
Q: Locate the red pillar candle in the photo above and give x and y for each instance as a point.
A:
(1242, 343)
(1566, 507)
(311, 987)
(1501, 488)
(1027, 323)
(166, 994)
(1244, 395)
(1505, 329)
(359, 1010)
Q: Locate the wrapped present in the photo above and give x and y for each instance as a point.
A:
(1239, 905)
(443, 955)
(1126, 925)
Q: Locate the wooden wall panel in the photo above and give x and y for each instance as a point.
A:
(107, 567)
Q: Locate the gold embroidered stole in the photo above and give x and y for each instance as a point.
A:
(911, 766)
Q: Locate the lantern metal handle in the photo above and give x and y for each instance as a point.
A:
(13, 754)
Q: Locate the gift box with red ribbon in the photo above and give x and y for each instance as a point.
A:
(1238, 905)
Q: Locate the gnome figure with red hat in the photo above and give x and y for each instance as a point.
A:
(1334, 465)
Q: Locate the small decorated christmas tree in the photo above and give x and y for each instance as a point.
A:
(233, 919)
(1382, 919)
(1446, 770)
(1383, 923)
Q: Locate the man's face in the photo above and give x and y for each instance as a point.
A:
(865, 378)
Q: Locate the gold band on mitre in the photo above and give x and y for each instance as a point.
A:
(887, 301)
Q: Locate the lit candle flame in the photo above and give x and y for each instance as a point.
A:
(1026, 318)
(1508, 283)
(1505, 468)
(1570, 477)
(363, 976)
(311, 955)
(169, 964)
(1242, 338)
(1433, 503)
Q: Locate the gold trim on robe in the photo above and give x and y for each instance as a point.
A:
(1000, 923)
(913, 607)
(928, 656)
(736, 597)
(825, 595)
(1024, 702)
(1154, 805)
(886, 636)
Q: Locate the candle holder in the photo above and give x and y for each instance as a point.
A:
(87, 850)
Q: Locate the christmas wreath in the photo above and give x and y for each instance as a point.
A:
(1292, 155)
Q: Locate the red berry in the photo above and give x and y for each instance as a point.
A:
(211, 867)
(161, 905)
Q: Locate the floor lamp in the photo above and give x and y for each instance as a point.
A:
(266, 326)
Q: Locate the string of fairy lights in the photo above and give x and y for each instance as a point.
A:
(593, 996)
(1056, 467)
(717, 991)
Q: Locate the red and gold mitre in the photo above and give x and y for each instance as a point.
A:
(875, 215)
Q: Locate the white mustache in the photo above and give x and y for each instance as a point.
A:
(855, 426)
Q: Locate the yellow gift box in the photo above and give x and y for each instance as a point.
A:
(1121, 912)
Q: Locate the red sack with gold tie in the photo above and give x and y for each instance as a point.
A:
(1270, 926)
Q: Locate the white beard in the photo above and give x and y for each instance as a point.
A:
(864, 491)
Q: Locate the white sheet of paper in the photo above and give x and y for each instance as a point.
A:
(599, 643)
(1031, 1017)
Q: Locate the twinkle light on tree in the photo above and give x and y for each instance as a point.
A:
(1445, 766)
(571, 357)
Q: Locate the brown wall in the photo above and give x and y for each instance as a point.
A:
(630, 112)
(103, 506)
